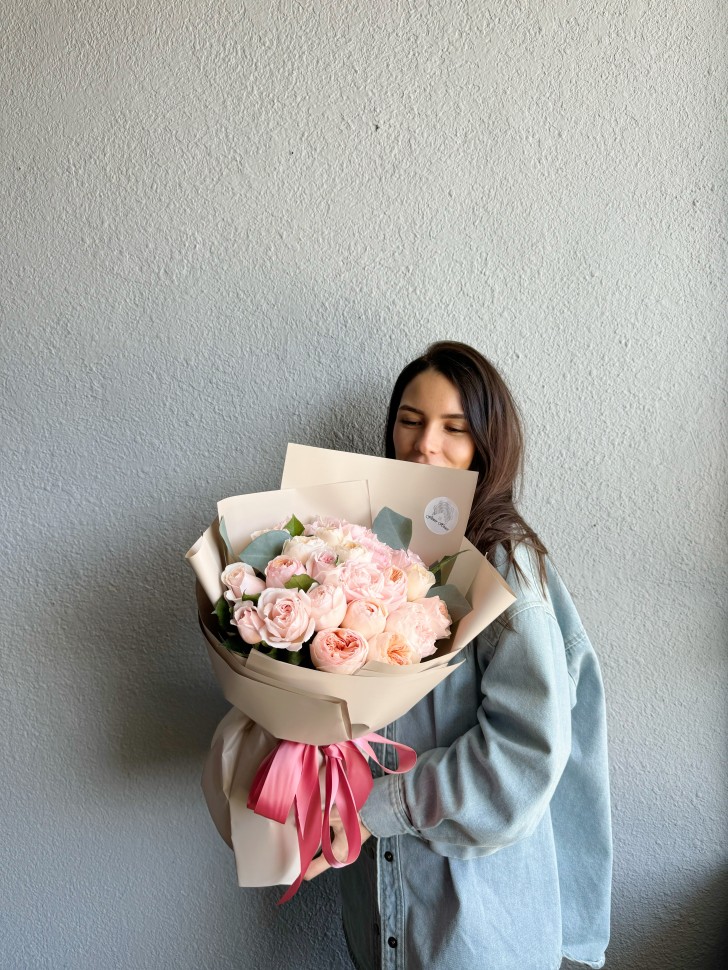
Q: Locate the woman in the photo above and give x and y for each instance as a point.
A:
(495, 850)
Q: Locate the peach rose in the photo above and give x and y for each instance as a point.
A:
(394, 593)
(392, 648)
(414, 623)
(338, 651)
(405, 559)
(279, 571)
(419, 580)
(240, 578)
(286, 618)
(328, 606)
(249, 624)
(367, 617)
(439, 616)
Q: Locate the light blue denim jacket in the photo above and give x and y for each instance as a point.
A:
(495, 851)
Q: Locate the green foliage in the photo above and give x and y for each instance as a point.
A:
(302, 581)
(294, 526)
(457, 605)
(437, 568)
(223, 613)
(266, 547)
(393, 529)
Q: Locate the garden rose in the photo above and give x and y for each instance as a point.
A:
(249, 624)
(367, 617)
(419, 580)
(392, 648)
(359, 580)
(240, 578)
(302, 547)
(320, 564)
(286, 618)
(439, 616)
(348, 551)
(394, 593)
(279, 571)
(328, 606)
(414, 623)
(338, 651)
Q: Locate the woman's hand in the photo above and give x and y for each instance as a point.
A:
(338, 844)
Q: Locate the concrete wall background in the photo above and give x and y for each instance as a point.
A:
(227, 225)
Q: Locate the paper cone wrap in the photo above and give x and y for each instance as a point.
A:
(275, 700)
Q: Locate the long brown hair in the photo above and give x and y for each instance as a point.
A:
(496, 429)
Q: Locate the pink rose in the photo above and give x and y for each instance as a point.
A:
(439, 616)
(339, 651)
(279, 571)
(249, 624)
(381, 554)
(394, 593)
(414, 623)
(240, 578)
(320, 564)
(367, 617)
(286, 618)
(392, 648)
(328, 606)
(419, 580)
(405, 559)
(359, 580)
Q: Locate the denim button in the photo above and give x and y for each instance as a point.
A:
(392, 942)
(388, 856)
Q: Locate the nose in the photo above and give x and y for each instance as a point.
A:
(428, 440)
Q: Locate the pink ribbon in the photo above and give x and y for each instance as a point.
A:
(289, 778)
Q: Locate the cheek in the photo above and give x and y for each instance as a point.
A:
(399, 440)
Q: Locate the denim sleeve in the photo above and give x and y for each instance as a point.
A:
(491, 787)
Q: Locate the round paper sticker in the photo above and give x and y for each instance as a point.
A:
(441, 515)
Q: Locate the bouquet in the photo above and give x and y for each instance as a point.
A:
(333, 595)
(367, 630)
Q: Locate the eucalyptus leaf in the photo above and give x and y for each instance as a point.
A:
(302, 581)
(294, 527)
(226, 540)
(457, 605)
(393, 529)
(437, 567)
(266, 547)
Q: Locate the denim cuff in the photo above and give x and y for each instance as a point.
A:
(384, 812)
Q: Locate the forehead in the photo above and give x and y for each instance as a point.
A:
(432, 391)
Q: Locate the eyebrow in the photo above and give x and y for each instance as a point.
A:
(408, 407)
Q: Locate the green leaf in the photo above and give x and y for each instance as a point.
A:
(223, 612)
(457, 605)
(253, 597)
(294, 526)
(266, 547)
(393, 529)
(437, 567)
(237, 646)
(302, 581)
(295, 657)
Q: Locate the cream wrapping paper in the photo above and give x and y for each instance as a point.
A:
(272, 699)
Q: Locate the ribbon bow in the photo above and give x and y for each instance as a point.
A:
(289, 778)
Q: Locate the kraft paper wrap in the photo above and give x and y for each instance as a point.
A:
(272, 699)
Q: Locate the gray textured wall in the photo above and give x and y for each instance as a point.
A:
(224, 225)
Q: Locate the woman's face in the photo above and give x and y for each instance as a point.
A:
(431, 428)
